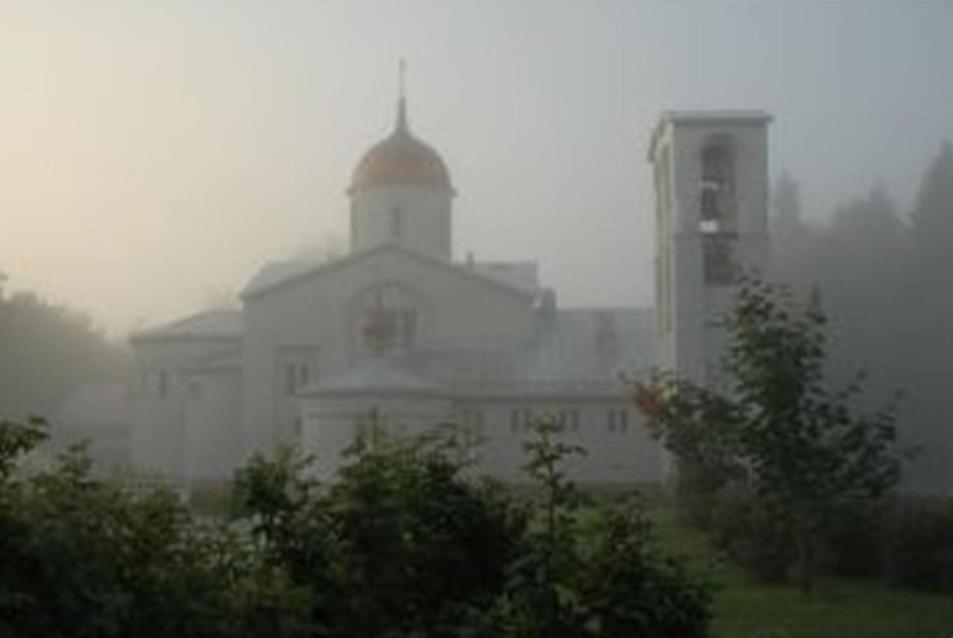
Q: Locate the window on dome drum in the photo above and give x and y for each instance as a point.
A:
(163, 384)
(396, 223)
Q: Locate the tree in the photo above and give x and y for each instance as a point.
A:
(83, 557)
(804, 448)
(787, 207)
(592, 571)
(933, 216)
(48, 350)
(416, 548)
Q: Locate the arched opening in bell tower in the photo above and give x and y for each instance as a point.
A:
(718, 213)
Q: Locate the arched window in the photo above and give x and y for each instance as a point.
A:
(718, 214)
(717, 187)
(387, 317)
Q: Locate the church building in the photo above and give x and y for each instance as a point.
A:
(402, 336)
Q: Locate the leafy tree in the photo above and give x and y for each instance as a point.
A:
(883, 274)
(593, 571)
(933, 215)
(81, 557)
(47, 350)
(407, 545)
(414, 547)
(804, 449)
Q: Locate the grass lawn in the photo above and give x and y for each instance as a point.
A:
(838, 609)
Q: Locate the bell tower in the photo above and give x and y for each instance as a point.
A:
(711, 203)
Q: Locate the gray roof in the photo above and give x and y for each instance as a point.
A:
(212, 324)
(572, 352)
(218, 362)
(588, 346)
(275, 272)
(519, 274)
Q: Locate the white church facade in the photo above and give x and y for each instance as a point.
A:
(399, 335)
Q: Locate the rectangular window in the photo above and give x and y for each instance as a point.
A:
(617, 421)
(289, 379)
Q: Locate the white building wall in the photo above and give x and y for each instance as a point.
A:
(317, 312)
(159, 414)
(332, 423)
(622, 453)
(213, 429)
(422, 223)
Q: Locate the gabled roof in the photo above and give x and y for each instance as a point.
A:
(520, 274)
(211, 324)
(274, 276)
(218, 362)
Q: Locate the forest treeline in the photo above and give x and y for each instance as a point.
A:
(47, 350)
(886, 277)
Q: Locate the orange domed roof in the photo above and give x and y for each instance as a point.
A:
(400, 159)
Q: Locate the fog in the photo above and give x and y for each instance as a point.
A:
(153, 155)
(883, 274)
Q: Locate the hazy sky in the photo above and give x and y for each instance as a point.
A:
(154, 154)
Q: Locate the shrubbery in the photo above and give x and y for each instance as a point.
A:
(905, 541)
(752, 536)
(918, 544)
(779, 449)
(80, 557)
(401, 544)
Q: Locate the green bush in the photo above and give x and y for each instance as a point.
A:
(919, 544)
(82, 557)
(402, 544)
(411, 547)
(854, 540)
(632, 589)
(753, 536)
